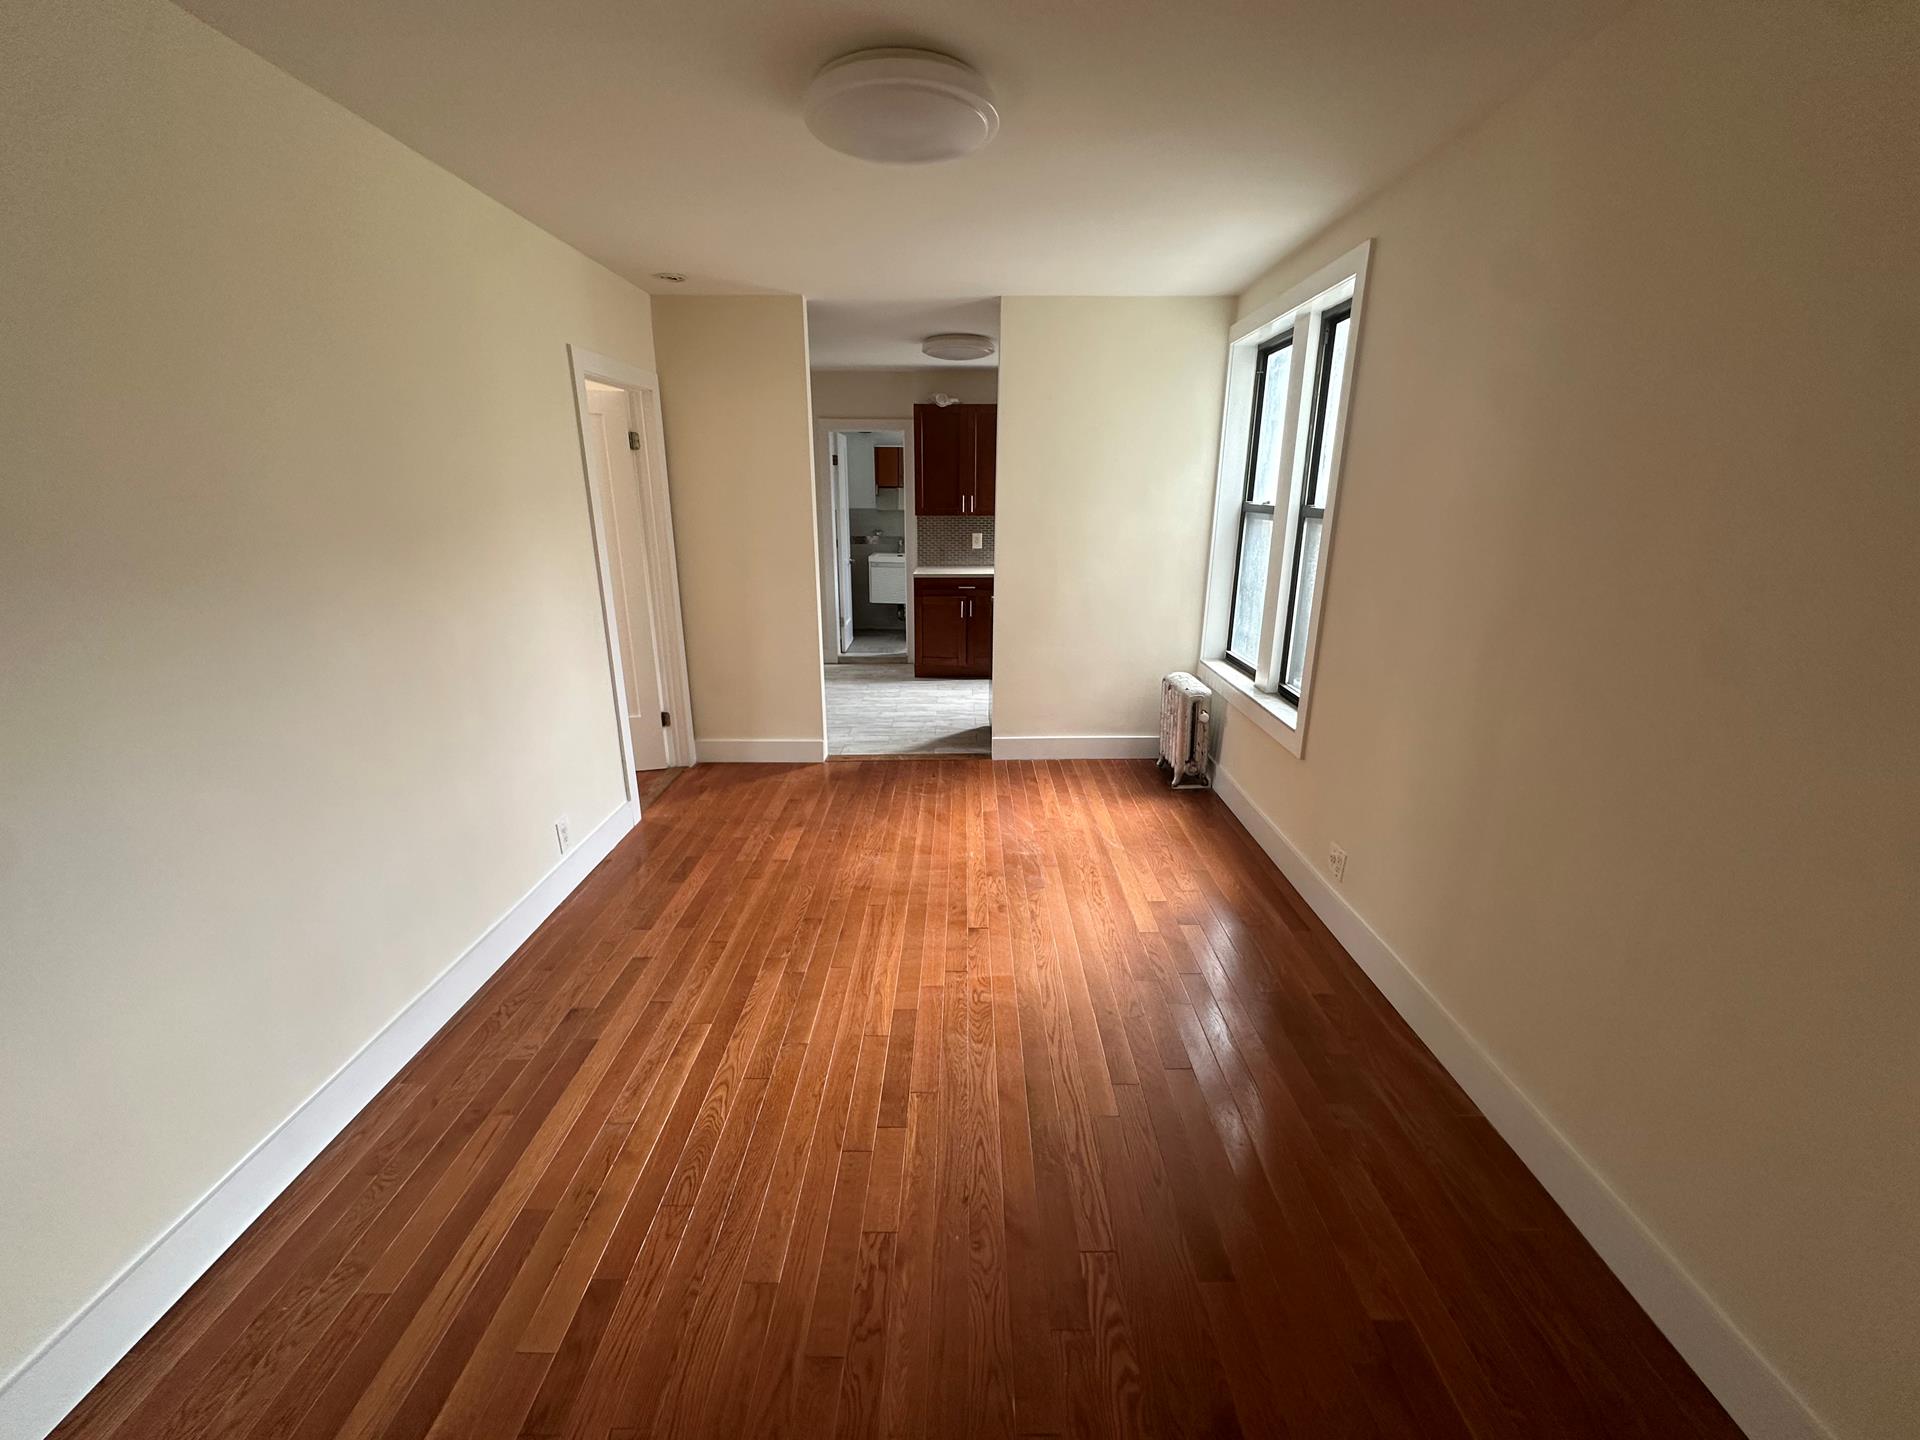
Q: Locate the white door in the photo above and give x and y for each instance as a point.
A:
(615, 468)
(843, 542)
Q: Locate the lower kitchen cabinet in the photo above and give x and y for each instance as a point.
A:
(953, 626)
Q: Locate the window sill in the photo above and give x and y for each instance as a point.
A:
(1280, 720)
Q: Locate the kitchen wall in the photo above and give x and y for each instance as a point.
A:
(948, 539)
(1615, 698)
(734, 394)
(1109, 431)
(302, 643)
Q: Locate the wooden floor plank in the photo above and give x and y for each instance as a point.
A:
(914, 1098)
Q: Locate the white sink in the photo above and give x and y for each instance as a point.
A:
(887, 579)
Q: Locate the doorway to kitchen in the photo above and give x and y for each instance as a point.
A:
(907, 644)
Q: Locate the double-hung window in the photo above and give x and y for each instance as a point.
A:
(1272, 365)
(1287, 388)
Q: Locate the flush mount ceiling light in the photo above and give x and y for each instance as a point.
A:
(901, 107)
(957, 347)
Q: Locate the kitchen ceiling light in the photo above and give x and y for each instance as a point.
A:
(901, 107)
(957, 347)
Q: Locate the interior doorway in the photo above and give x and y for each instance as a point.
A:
(869, 545)
(632, 520)
(865, 475)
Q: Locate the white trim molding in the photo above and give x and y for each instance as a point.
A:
(1756, 1395)
(38, 1395)
(1270, 712)
(798, 751)
(1075, 747)
(669, 638)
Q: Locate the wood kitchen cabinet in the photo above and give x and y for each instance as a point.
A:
(953, 626)
(955, 453)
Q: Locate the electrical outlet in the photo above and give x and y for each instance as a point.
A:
(1337, 862)
(979, 539)
(563, 833)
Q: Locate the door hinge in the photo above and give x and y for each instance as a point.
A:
(633, 439)
(665, 718)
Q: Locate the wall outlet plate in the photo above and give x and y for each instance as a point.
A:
(979, 539)
(1337, 862)
(562, 832)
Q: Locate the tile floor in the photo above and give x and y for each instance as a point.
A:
(878, 642)
(883, 710)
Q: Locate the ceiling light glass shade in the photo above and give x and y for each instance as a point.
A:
(957, 347)
(901, 107)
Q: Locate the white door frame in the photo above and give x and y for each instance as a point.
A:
(663, 571)
(823, 517)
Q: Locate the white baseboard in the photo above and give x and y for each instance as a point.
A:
(37, 1396)
(1075, 747)
(760, 752)
(1756, 1395)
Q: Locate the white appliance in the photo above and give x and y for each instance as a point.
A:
(887, 579)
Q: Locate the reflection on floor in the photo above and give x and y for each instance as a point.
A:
(653, 784)
(878, 642)
(883, 710)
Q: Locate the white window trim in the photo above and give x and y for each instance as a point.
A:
(1299, 309)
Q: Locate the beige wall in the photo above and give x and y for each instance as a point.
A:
(301, 639)
(878, 394)
(1109, 424)
(1616, 691)
(733, 384)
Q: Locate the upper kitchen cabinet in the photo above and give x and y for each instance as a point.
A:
(986, 424)
(954, 453)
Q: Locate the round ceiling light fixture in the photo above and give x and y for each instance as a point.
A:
(672, 277)
(901, 107)
(957, 347)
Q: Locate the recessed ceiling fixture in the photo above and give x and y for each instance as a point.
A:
(957, 347)
(901, 107)
(672, 277)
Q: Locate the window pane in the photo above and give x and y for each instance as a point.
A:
(1273, 404)
(1250, 586)
(1330, 417)
(1303, 601)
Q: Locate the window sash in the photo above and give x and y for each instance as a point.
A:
(1310, 504)
(1256, 414)
(1249, 663)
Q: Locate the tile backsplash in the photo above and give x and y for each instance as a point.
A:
(948, 539)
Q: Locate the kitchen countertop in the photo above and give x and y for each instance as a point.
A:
(953, 569)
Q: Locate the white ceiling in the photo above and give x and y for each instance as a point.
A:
(886, 334)
(1146, 148)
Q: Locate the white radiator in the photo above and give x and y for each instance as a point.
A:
(1186, 730)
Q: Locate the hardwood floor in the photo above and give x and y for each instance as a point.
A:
(915, 1097)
